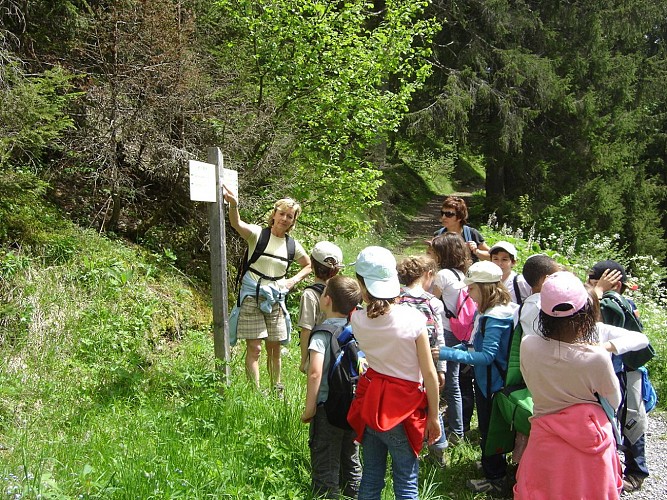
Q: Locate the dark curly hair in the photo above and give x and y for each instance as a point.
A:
(576, 329)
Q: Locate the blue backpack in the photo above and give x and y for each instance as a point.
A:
(346, 363)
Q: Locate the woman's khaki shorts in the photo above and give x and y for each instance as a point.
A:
(254, 324)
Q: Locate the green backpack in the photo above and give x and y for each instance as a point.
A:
(512, 406)
(617, 311)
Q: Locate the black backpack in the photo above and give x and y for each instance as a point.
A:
(346, 364)
(262, 243)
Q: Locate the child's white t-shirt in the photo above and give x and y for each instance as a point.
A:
(530, 315)
(524, 287)
(389, 341)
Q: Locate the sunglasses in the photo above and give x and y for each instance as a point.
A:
(447, 214)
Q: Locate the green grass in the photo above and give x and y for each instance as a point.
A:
(108, 387)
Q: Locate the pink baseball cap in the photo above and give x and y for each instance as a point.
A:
(563, 295)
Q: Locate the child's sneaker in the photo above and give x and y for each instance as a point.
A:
(455, 439)
(436, 457)
(491, 487)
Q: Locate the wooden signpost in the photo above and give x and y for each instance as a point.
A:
(206, 184)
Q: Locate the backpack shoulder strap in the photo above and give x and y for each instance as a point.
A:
(503, 373)
(318, 287)
(513, 376)
(455, 273)
(291, 249)
(467, 234)
(262, 243)
(517, 292)
(325, 327)
(333, 332)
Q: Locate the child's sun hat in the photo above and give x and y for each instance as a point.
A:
(377, 266)
(505, 246)
(328, 254)
(483, 272)
(563, 295)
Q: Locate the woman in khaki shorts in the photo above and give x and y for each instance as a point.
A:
(263, 315)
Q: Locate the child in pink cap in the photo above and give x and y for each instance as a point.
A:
(571, 451)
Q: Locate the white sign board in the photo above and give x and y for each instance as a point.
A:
(230, 180)
(202, 181)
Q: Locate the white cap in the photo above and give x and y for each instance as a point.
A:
(504, 245)
(483, 272)
(328, 254)
(377, 266)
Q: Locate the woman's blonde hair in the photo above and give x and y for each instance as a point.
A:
(283, 204)
(374, 307)
(491, 295)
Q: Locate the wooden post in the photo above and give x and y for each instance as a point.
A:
(219, 291)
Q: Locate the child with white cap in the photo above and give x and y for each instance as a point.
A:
(488, 355)
(504, 255)
(326, 259)
(396, 403)
(571, 450)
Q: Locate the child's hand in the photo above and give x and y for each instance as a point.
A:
(307, 416)
(433, 431)
(609, 279)
(435, 352)
(441, 380)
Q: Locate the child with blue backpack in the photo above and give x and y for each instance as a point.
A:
(334, 455)
(416, 274)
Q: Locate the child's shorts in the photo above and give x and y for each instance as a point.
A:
(254, 324)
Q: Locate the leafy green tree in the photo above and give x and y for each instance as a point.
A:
(318, 85)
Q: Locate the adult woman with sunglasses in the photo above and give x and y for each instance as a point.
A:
(454, 219)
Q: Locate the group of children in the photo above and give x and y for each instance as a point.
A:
(403, 383)
(400, 387)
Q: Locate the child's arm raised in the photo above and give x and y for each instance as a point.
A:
(313, 385)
